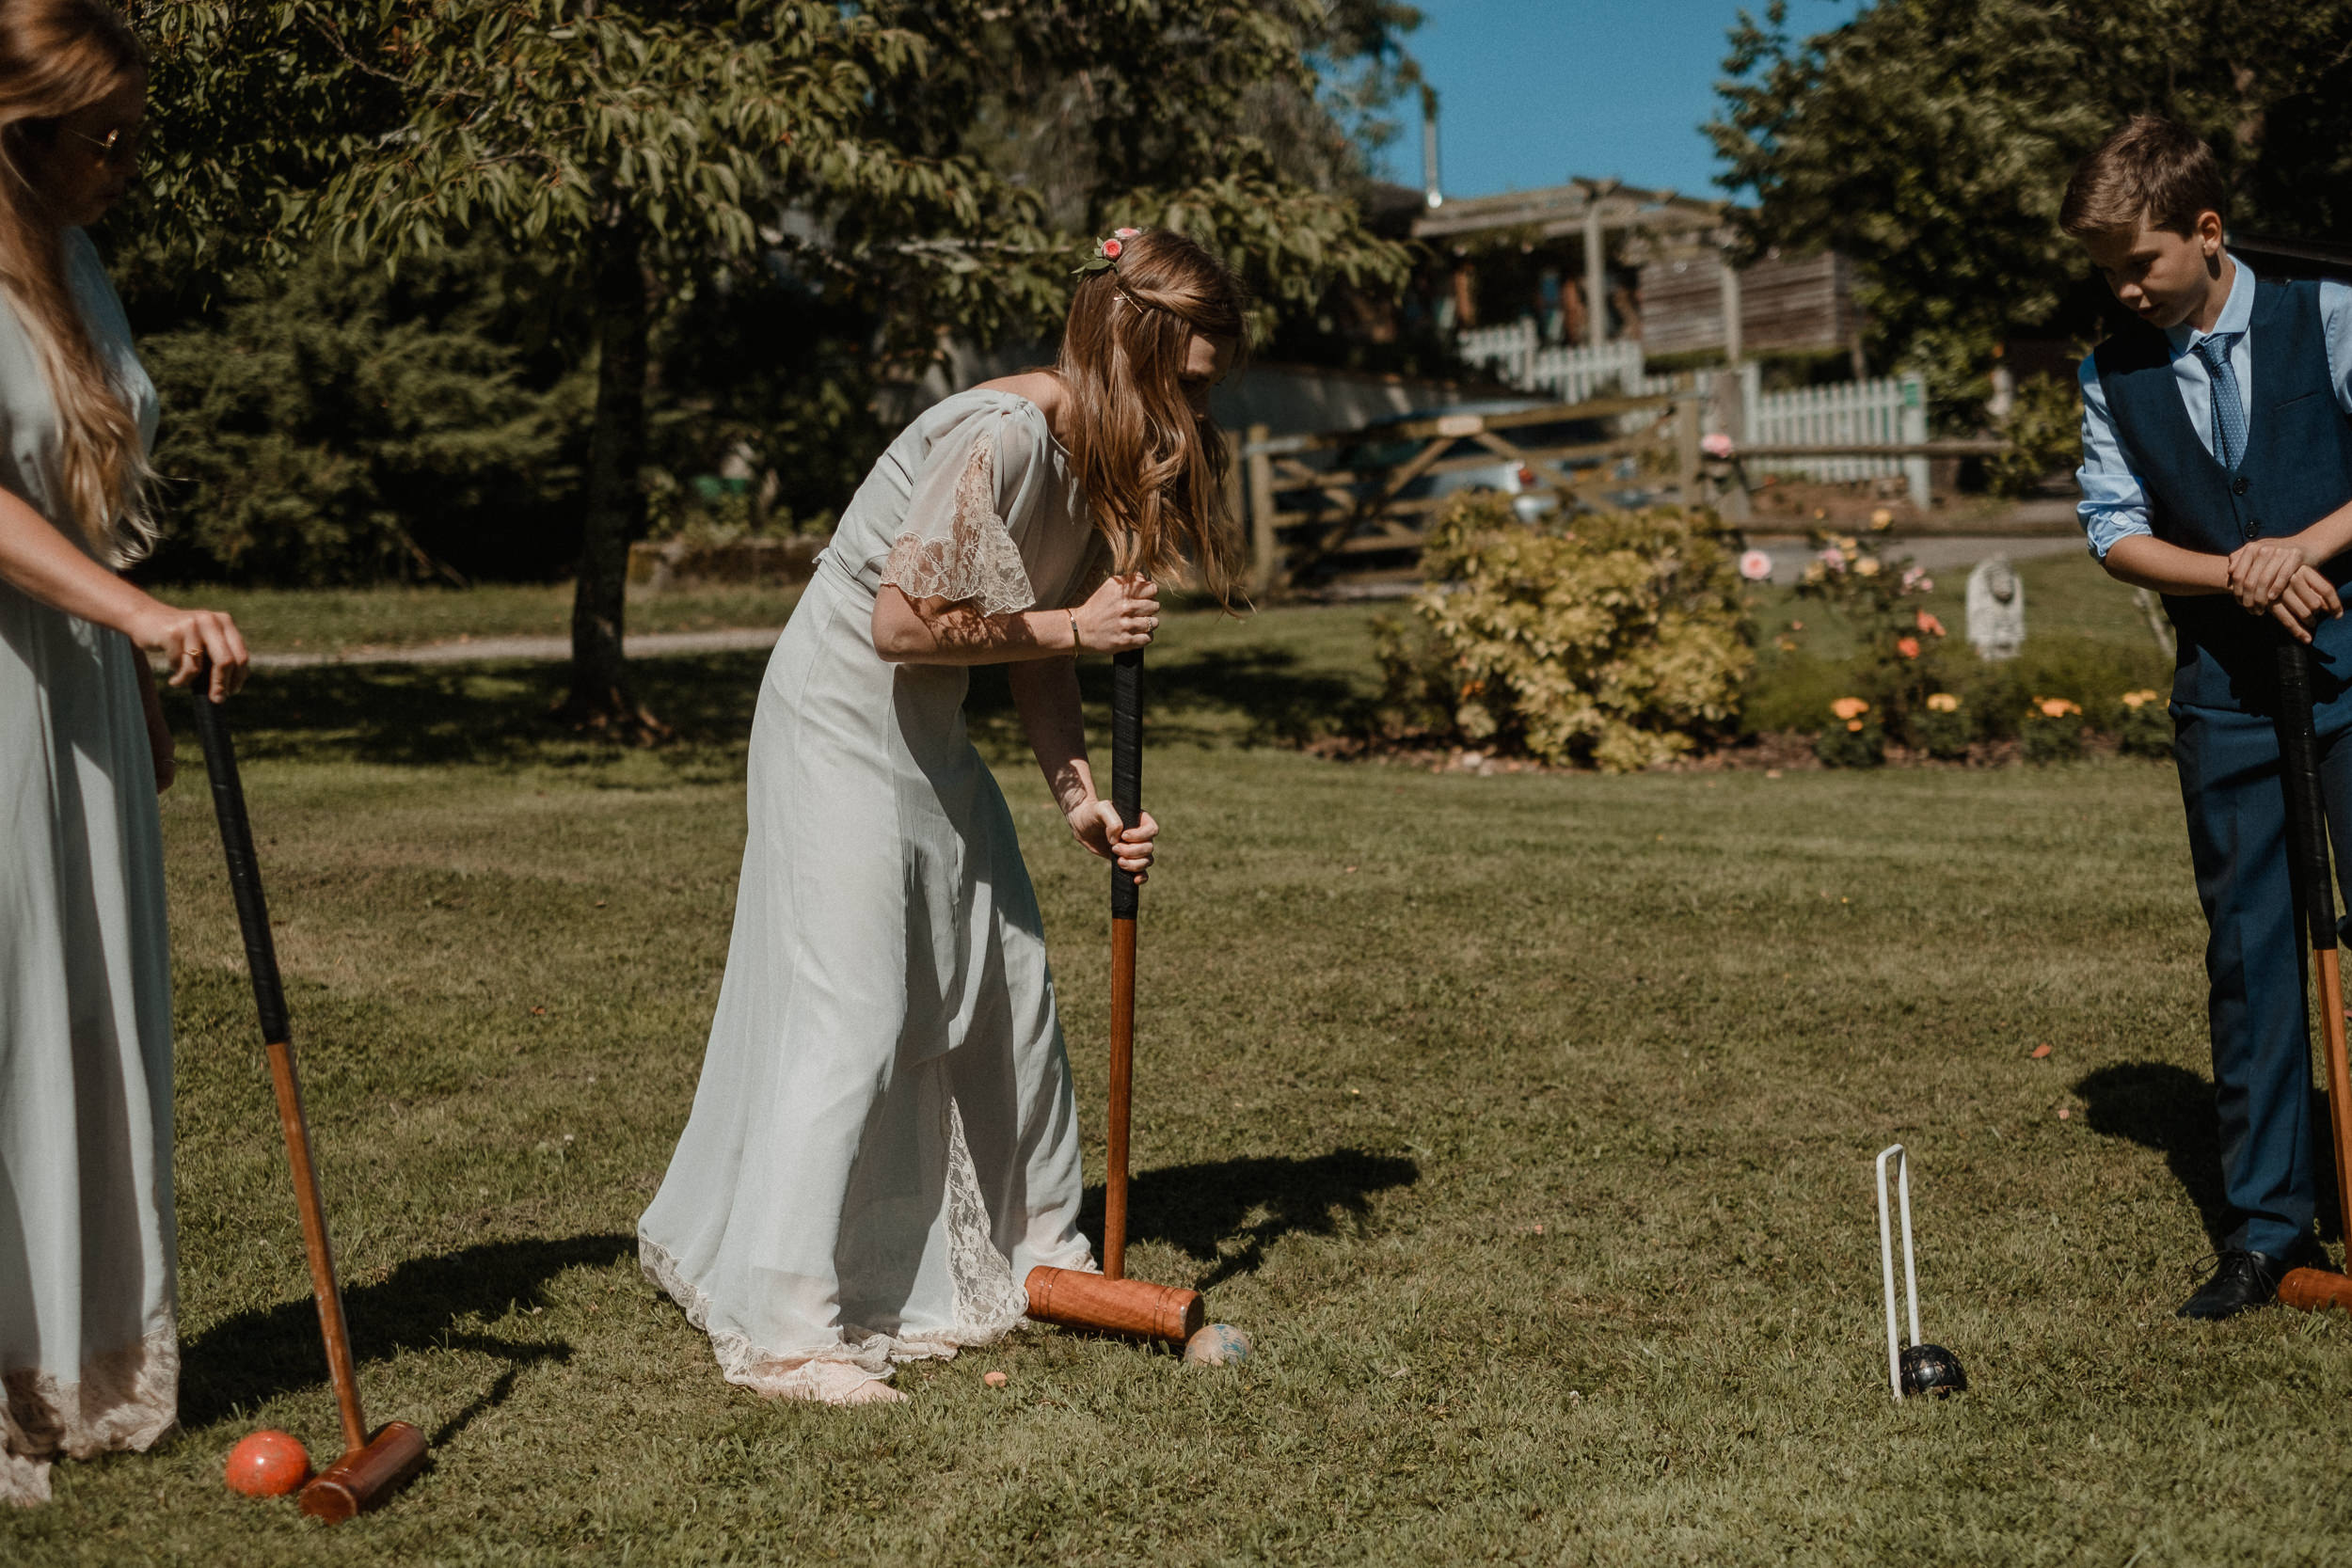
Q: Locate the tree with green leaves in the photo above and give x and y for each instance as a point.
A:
(1930, 140)
(640, 150)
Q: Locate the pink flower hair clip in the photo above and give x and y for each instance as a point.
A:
(1107, 254)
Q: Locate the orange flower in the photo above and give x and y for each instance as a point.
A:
(1907, 646)
(1854, 725)
(2138, 699)
(1850, 707)
(1930, 624)
(2055, 707)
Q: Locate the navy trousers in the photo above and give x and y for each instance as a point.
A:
(2255, 957)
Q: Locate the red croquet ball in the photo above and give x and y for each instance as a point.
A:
(268, 1465)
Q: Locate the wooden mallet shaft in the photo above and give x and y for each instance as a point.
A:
(371, 1467)
(2314, 883)
(1110, 1302)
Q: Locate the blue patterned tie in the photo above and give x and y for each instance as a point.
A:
(2228, 411)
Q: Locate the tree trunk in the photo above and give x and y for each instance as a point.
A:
(615, 511)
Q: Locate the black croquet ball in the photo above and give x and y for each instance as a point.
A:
(1932, 1369)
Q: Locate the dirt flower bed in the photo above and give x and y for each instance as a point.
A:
(1775, 752)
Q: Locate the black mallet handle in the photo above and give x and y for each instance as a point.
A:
(269, 997)
(1127, 798)
(1126, 765)
(2307, 813)
(2307, 852)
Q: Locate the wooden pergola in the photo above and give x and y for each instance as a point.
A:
(1590, 210)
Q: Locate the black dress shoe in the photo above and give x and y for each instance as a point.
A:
(2243, 1281)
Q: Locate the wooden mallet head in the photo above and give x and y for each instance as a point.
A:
(367, 1474)
(1135, 1307)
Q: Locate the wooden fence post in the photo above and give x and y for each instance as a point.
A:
(1914, 429)
(1261, 562)
(1688, 413)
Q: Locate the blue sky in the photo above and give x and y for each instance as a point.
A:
(1533, 92)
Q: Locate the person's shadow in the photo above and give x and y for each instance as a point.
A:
(1202, 1210)
(2170, 1109)
(257, 1355)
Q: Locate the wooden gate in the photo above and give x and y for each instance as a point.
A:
(1347, 507)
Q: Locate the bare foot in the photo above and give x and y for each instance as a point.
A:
(872, 1391)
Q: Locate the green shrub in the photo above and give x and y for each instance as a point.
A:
(1944, 726)
(1620, 640)
(1854, 737)
(2145, 725)
(2045, 431)
(2052, 730)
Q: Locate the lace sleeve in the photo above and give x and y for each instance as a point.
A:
(955, 547)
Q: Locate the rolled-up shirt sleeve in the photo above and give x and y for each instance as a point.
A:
(2115, 502)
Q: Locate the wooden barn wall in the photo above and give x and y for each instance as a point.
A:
(1787, 305)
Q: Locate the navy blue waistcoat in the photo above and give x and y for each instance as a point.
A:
(2297, 470)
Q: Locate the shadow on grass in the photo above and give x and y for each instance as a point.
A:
(1258, 696)
(2170, 1109)
(478, 714)
(254, 1357)
(498, 714)
(1202, 1208)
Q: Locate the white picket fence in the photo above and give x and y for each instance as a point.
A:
(1517, 355)
(1886, 411)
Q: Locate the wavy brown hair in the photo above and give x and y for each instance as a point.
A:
(1154, 471)
(58, 56)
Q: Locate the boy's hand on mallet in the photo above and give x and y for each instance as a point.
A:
(2261, 571)
(2308, 596)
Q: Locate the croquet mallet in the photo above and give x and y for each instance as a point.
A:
(373, 1466)
(2314, 888)
(1110, 1302)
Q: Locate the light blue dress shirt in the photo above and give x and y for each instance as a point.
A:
(2115, 502)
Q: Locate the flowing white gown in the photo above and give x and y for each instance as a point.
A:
(90, 1357)
(885, 1141)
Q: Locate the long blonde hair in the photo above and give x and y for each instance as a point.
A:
(1154, 471)
(58, 56)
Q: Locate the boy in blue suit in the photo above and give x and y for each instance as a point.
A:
(2217, 471)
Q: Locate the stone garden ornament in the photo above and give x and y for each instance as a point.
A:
(1996, 609)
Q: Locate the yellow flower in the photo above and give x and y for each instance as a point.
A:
(2138, 699)
(1848, 543)
(1944, 701)
(1866, 567)
(1882, 521)
(1850, 708)
(2055, 707)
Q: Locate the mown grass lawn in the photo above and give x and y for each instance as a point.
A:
(1525, 1122)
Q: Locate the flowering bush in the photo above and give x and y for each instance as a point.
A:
(1900, 643)
(1622, 642)
(2052, 730)
(1943, 726)
(1855, 738)
(2146, 730)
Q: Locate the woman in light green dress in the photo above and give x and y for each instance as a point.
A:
(884, 1140)
(89, 1356)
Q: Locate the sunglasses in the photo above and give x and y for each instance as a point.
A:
(116, 147)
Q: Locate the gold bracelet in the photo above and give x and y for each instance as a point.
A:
(1077, 644)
